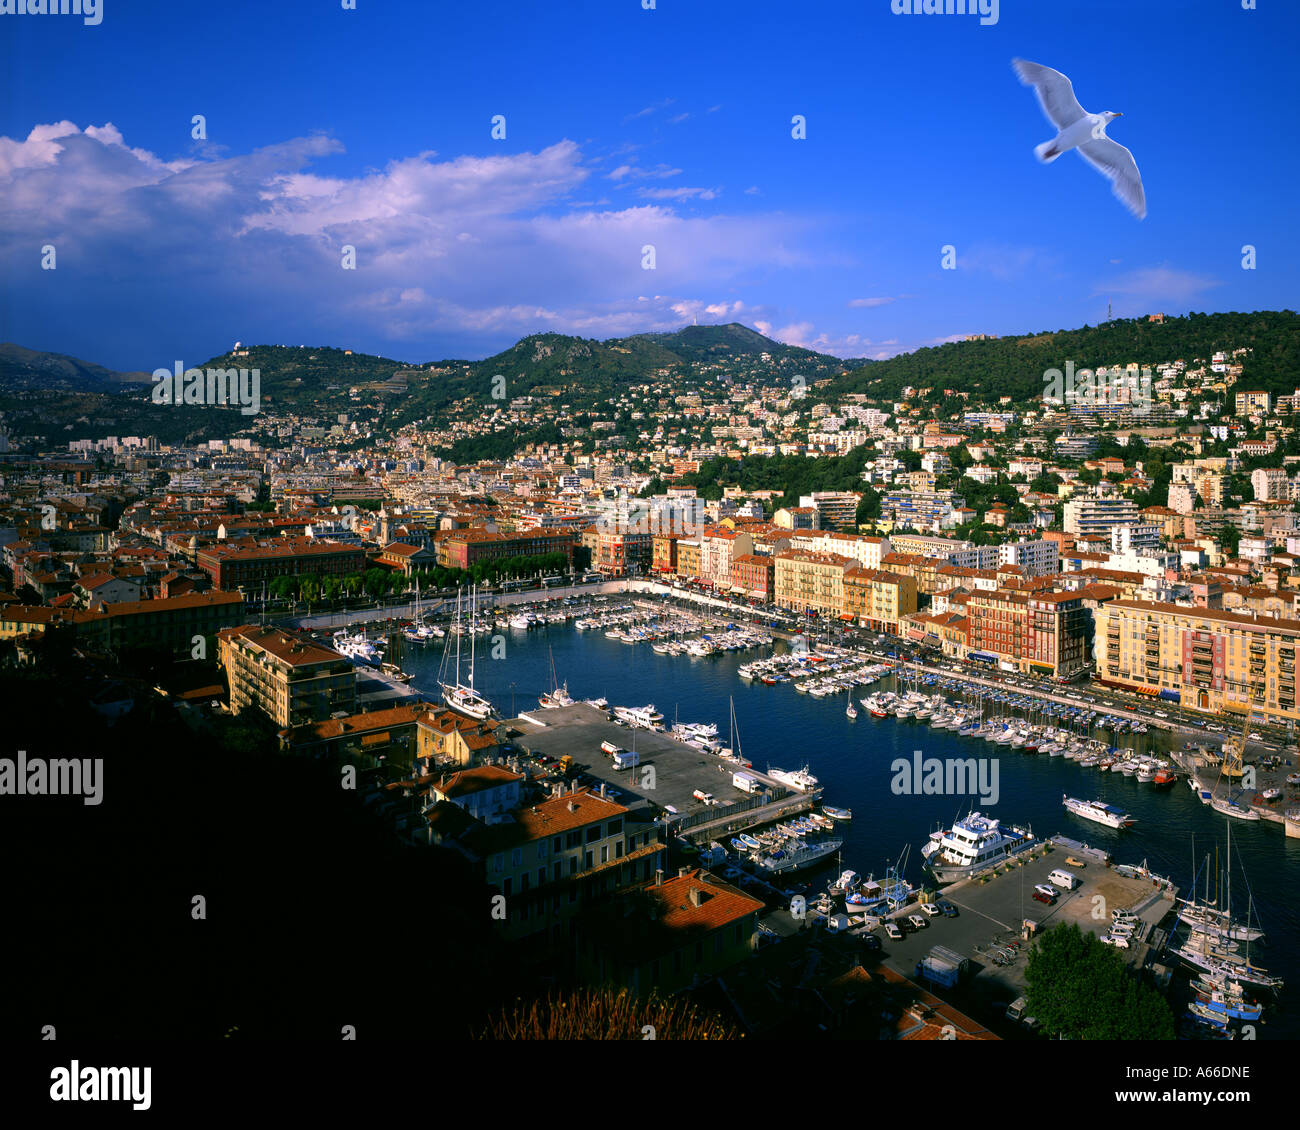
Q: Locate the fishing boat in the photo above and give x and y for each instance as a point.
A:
(851, 711)
(795, 854)
(1099, 812)
(837, 813)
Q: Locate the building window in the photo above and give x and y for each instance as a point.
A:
(593, 833)
(507, 885)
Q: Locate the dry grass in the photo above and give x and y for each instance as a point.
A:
(606, 1014)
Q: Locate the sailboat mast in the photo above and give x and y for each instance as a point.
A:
(473, 613)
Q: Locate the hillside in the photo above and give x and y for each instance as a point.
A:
(32, 369)
(1013, 366)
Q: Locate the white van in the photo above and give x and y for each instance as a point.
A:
(1064, 879)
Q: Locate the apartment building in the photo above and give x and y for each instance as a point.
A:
(811, 582)
(557, 856)
(838, 509)
(865, 550)
(1095, 517)
(1207, 659)
(1034, 633)
(698, 926)
(877, 599)
(688, 558)
(719, 546)
(443, 737)
(248, 562)
(754, 576)
(461, 549)
(293, 681)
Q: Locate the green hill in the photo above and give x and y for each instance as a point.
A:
(1014, 366)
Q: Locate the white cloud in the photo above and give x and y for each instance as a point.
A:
(1158, 284)
(871, 303)
(682, 193)
(445, 246)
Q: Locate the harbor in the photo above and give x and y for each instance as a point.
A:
(852, 761)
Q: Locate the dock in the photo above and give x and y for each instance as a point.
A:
(668, 773)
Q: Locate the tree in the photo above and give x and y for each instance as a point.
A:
(1083, 990)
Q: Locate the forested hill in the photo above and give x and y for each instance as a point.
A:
(1014, 366)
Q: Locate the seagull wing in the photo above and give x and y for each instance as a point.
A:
(1055, 92)
(1117, 165)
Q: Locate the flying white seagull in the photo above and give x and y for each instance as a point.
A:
(1079, 130)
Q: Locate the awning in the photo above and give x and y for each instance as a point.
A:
(847, 616)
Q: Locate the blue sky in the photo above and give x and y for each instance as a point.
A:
(626, 127)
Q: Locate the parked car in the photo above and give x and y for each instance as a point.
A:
(1114, 940)
(893, 932)
(1044, 898)
(1047, 889)
(949, 911)
(930, 910)
(918, 923)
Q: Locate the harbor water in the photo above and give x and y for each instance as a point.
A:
(854, 762)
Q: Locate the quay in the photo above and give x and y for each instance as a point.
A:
(995, 911)
(667, 775)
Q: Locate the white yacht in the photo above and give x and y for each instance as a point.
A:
(1098, 811)
(971, 845)
(357, 648)
(647, 717)
(798, 779)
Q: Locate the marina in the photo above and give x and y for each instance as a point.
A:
(851, 762)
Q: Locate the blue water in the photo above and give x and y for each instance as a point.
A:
(852, 760)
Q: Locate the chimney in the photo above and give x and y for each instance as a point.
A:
(659, 876)
(573, 806)
(681, 872)
(697, 896)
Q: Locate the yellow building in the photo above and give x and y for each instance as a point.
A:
(293, 681)
(1221, 662)
(811, 581)
(877, 599)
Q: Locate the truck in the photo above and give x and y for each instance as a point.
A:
(702, 796)
(942, 966)
(746, 782)
(1063, 878)
(626, 759)
(1017, 1009)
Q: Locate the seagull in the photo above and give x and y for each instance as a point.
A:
(1084, 132)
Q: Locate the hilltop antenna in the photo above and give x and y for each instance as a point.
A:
(1108, 309)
